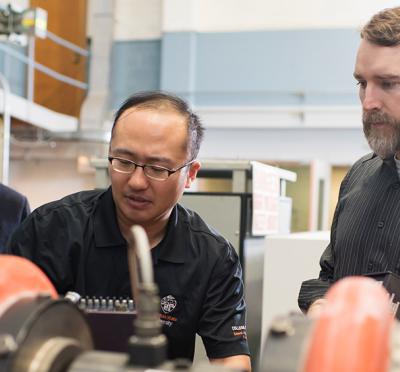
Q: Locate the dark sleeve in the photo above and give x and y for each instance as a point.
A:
(42, 240)
(14, 208)
(313, 289)
(222, 325)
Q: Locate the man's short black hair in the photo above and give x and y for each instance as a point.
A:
(161, 100)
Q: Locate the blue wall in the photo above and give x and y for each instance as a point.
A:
(135, 66)
(241, 68)
(268, 67)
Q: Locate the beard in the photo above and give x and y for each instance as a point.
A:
(385, 143)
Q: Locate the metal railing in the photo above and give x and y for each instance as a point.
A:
(29, 60)
(31, 65)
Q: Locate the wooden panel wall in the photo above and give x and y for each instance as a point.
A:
(67, 19)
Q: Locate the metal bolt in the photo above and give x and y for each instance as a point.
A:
(282, 327)
(7, 344)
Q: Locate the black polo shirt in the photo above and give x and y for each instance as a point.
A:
(78, 244)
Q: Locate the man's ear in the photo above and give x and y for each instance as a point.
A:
(192, 173)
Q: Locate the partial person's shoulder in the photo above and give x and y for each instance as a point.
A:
(208, 246)
(205, 238)
(198, 226)
(368, 162)
(82, 200)
(9, 194)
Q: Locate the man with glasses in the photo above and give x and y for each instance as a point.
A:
(80, 240)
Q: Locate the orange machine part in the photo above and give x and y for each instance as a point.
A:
(352, 333)
(19, 276)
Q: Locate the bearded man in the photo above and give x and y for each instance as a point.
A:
(365, 234)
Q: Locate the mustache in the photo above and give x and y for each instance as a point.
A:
(374, 117)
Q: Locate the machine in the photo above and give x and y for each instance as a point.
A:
(40, 332)
(356, 331)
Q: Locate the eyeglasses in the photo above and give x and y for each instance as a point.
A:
(154, 172)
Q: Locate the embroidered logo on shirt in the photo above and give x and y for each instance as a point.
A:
(240, 330)
(168, 320)
(168, 303)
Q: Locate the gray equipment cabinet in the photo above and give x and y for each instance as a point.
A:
(231, 214)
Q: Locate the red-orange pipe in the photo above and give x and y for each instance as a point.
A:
(19, 277)
(353, 331)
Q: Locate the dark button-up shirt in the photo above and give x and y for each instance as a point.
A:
(365, 234)
(14, 208)
(78, 244)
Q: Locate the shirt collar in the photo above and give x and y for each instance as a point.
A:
(369, 156)
(391, 166)
(107, 232)
(106, 229)
(397, 162)
(390, 162)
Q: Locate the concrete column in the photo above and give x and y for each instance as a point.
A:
(101, 30)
